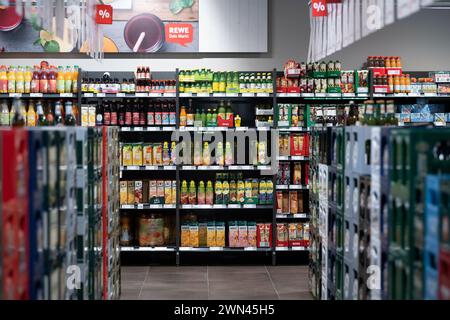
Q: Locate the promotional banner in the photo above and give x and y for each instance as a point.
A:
(141, 26)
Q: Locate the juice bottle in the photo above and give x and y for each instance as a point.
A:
(27, 78)
(60, 80)
(228, 154)
(203, 118)
(20, 87)
(35, 79)
(43, 82)
(31, 115)
(52, 80)
(4, 113)
(209, 118)
(206, 154)
(68, 79)
(192, 193)
(183, 117)
(209, 197)
(201, 196)
(218, 190)
(12, 79)
(184, 197)
(262, 152)
(215, 85)
(408, 84)
(225, 192)
(233, 189)
(165, 154)
(173, 153)
(3, 80)
(75, 79)
(240, 192)
(391, 84)
(219, 154)
(396, 84)
(197, 154)
(402, 84)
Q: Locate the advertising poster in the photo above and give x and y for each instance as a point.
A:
(141, 26)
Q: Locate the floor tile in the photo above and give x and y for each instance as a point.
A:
(129, 294)
(296, 296)
(173, 294)
(236, 269)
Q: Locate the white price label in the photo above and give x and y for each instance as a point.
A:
(250, 249)
(241, 129)
(187, 206)
(248, 94)
(321, 95)
(101, 95)
(231, 94)
(169, 95)
(125, 129)
(185, 94)
(168, 128)
(88, 95)
(138, 129)
(169, 206)
(298, 248)
(66, 95)
(282, 187)
(250, 206)
(36, 95)
(120, 94)
(308, 95)
(154, 94)
(216, 249)
(170, 167)
(141, 94)
(263, 167)
(185, 248)
(262, 94)
(300, 215)
(151, 168)
(140, 206)
(15, 95)
(127, 206)
(189, 167)
(219, 206)
(298, 158)
(282, 248)
(234, 206)
(281, 216)
(133, 167)
(203, 94)
(156, 206)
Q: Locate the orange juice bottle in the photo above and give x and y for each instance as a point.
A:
(399, 62)
(20, 86)
(60, 86)
(408, 84)
(27, 79)
(391, 84)
(68, 79)
(3, 80)
(12, 79)
(396, 84)
(75, 79)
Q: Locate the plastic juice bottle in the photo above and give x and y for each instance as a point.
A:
(209, 197)
(75, 79)
(43, 81)
(206, 154)
(68, 79)
(173, 153)
(201, 195)
(192, 193)
(233, 190)
(4, 113)
(240, 192)
(3, 80)
(223, 82)
(262, 192)
(20, 85)
(262, 152)
(12, 79)
(31, 115)
(219, 154)
(35, 80)
(218, 190)
(228, 154)
(226, 192)
(269, 191)
(52, 82)
(183, 117)
(209, 118)
(165, 154)
(60, 80)
(213, 119)
(203, 118)
(197, 119)
(197, 154)
(27, 80)
(184, 196)
(237, 121)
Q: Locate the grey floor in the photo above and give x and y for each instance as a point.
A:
(214, 282)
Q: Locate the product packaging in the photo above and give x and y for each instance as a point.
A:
(160, 191)
(167, 192)
(220, 234)
(243, 234)
(137, 155)
(130, 192)
(153, 192)
(211, 234)
(233, 234)
(193, 235)
(282, 235)
(127, 155)
(185, 236)
(264, 235)
(147, 153)
(251, 234)
(202, 234)
(138, 191)
(123, 192)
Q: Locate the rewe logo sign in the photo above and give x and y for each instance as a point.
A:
(181, 33)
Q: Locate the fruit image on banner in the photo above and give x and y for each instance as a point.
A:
(139, 26)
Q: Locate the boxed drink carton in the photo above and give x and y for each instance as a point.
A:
(193, 235)
(160, 191)
(306, 237)
(130, 191)
(167, 192)
(145, 191)
(153, 192)
(123, 192)
(220, 234)
(174, 192)
(147, 154)
(233, 234)
(295, 235)
(243, 234)
(251, 234)
(137, 154)
(138, 191)
(127, 155)
(211, 234)
(282, 235)
(185, 236)
(264, 235)
(202, 233)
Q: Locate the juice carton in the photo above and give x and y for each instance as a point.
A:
(243, 234)
(211, 234)
(220, 234)
(130, 191)
(153, 192)
(202, 234)
(123, 192)
(137, 155)
(174, 192)
(167, 192)
(160, 191)
(185, 236)
(251, 234)
(282, 235)
(193, 235)
(233, 234)
(147, 154)
(264, 235)
(138, 191)
(127, 155)
(269, 191)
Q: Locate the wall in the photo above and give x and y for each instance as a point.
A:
(422, 40)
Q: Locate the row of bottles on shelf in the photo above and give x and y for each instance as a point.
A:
(148, 192)
(39, 79)
(206, 81)
(294, 173)
(220, 117)
(392, 83)
(37, 113)
(148, 154)
(228, 189)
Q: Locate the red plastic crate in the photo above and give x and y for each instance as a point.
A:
(444, 274)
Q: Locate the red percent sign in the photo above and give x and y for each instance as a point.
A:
(103, 14)
(319, 8)
(181, 33)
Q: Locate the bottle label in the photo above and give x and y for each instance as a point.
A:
(52, 86)
(99, 119)
(107, 118)
(158, 118)
(11, 86)
(150, 118)
(3, 86)
(190, 119)
(43, 86)
(113, 118)
(136, 118)
(165, 118)
(31, 120)
(128, 118)
(4, 119)
(173, 120)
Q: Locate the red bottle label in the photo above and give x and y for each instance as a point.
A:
(136, 118)
(113, 118)
(107, 118)
(150, 118)
(52, 86)
(128, 118)
(43, 86)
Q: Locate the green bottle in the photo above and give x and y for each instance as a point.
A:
(203, 118)
(221, 112)
(215, 84)
(201, 196)
(197, 119)
(213, 118)
(223, 82)
(209, 118)
(209, 193)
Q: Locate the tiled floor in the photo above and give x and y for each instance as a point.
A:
(213, 282)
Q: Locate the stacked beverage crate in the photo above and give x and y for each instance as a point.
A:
(336, 212)
(444, 236)
(436, 203)
(315, 244)
(14, 214)
(416, 152)
(111, 226)
(379, 200)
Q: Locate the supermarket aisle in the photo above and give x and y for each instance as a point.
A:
(215, 282)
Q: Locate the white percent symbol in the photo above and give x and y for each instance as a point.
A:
(319, 6)
(104, 14)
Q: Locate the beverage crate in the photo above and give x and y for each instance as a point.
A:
(444, 273)
(339, 277)
(36, 264)
(336, 188)
(360, 146)
(338, 148)
(364, 203)
(314, 280)
(324, 271)
(400, 285)
(323, 182)
(348, 150)
(380, 152)
(15, 214)
(350, 289)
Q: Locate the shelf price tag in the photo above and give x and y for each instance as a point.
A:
(15, 95)
(151, 167)
(36, 95)
(298, 248)
(138, 129)
(140, 206)
(156, 206)
(127, 206)
(250, 249)
(219, 206)
(141, 94)
(185, 248)
(132, 167)
(66, 95)
(234, 206)
(250, 206)
(262, 94)
(120, 94)
(248, 94)
(282, 248)
(168, 129)
(154, 94)
(169, 95)
(281, 216)
(299, 215)
(101, 95)
(125, 129)
(88, 95)
(230, 95)
(215, 248)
